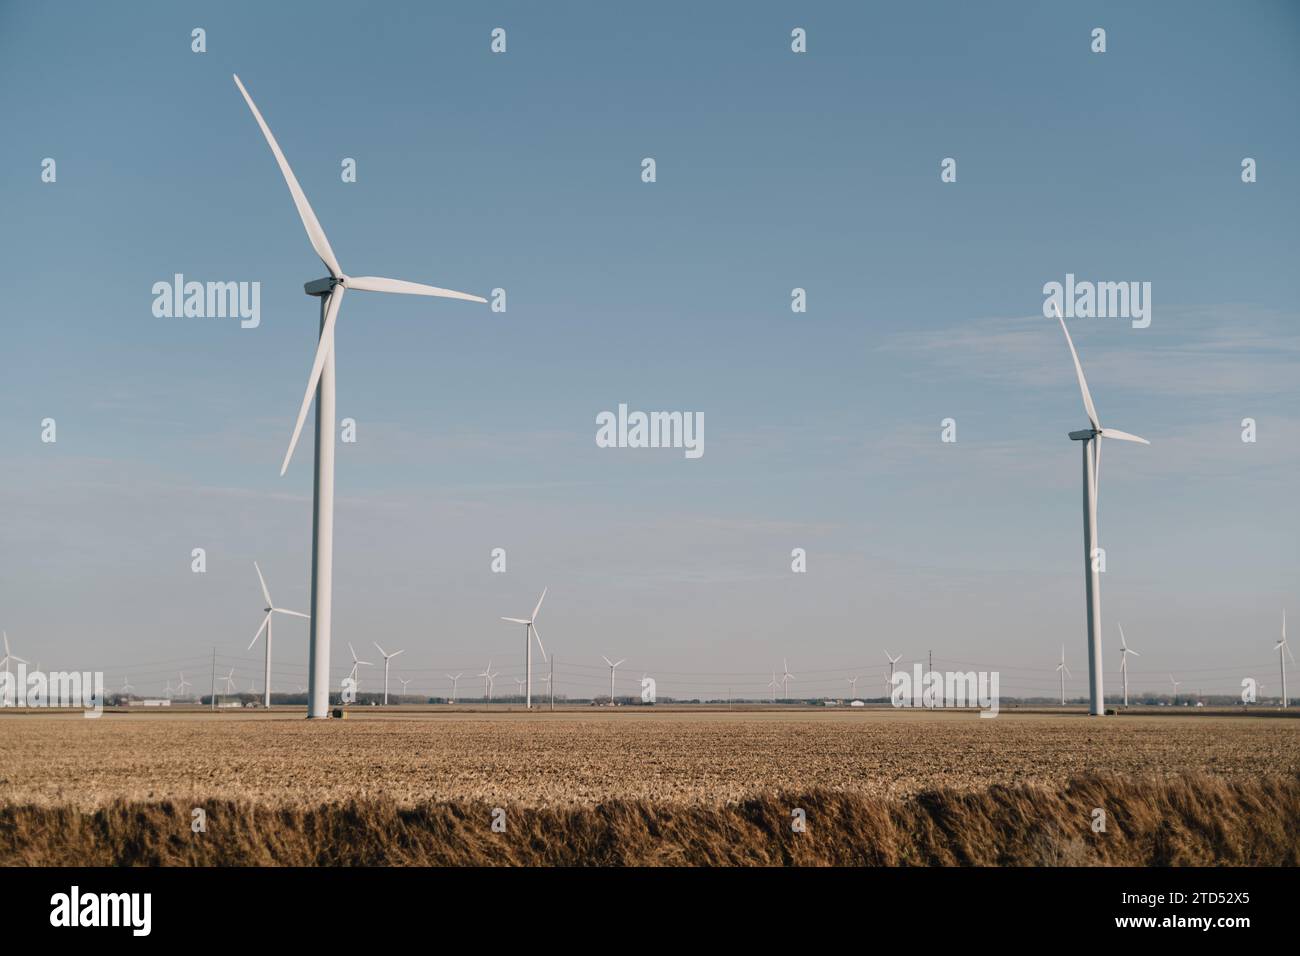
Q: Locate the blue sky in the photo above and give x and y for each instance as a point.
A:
(775, 170)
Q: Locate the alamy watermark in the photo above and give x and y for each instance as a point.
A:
(1101, 300)
(946, 689)
(651, 430)
(208, 300)
(66, 689)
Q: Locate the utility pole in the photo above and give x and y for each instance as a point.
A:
(929, 671)
(213, 701)
(551, 683)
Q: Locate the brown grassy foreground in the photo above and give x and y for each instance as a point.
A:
(649, 787)
(1182, 821)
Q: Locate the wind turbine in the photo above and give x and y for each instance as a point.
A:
(1063, 670)
(774, 684)
(356, 662)
(321, 382)
(270, 610)
(1124, 652)
(456, 677)
(785, 679)
(1090, 439)
(229, 680)
(530, 631)
(853, 685)
(519, 682)
(1283, 652)
(892, 661)
(126, 684)
(9, 656)
(405, 681)
(167, 690)
(1175, 683)
(612, 666)
(387, 658)
(180, 688)
(491, 677)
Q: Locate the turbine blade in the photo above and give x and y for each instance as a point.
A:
(1133, 652)
(265, 593)
(1122, 436)
(1078, 370)
(259, 631)
(516, 620)
(380, 284)
(606, 660)
(395, 653)
(539, 603)
(281, 610)
(381, 650)
(309, 221)
(618, 663)
(352, 650)
(539, 642)
(322, 352)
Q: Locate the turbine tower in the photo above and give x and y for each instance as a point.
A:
(270, 610)
(491, 679)
(612, 666)
(1283, 652)
(1124, 652)
(530, 631)
(892, 661)
(1063, 671)
(387, 658)
(321, 383)
(1090, 441)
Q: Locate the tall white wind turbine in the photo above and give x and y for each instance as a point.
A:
(321, 382)
(1283, 652)
(1090, 439)
(530, 632)
(404, 681)
(454, 678)
(1175, 683)
(1124, 652)
(786, 677)
(491, 680)
(271, 610)
(853, 684)
(774, 684)
(180, 688)
(892, 661)
(387, 658)
(1063, 671)
(612, 666)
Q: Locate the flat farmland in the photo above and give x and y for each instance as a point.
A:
(583, 758)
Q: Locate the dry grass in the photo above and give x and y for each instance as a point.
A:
(1180, 821)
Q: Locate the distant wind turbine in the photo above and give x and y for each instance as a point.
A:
(9, 656)
(491, 680)
(321, 383)
(612, 666)
(1175, 683)
(180, 688)
(387, 657)
(456, 677)
(1124, 652)
(892, 661)
(1091, 443)
(853, 687)
(1283, 652)
(530, 631)
(356, 662)
(774, 684)
(786, 677)
(1064, 671)
(271, 610)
